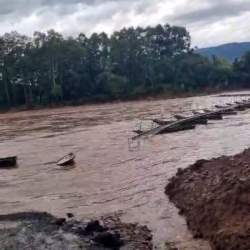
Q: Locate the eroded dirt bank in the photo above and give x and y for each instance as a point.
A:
(214, 196)
(44, 231)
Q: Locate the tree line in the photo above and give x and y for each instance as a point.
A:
(133, 62)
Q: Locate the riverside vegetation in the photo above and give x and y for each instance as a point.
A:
(133, 62)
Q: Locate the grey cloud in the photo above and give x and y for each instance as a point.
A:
(74, 16)
(217, 10)
(22, 7)
(14, 10)
(8, 6)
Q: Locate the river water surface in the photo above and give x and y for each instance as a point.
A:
(111, 174)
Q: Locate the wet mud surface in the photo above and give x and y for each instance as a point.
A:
(44, 231)
(214, 196)
(111, 175)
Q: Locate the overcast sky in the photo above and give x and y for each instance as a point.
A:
(210, 22)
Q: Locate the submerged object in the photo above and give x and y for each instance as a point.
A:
(239, 103)
(177, 128)
(138, 131)
(180, 117)
(219, 107)
(197, 112)
(162, 122)
(211, 115)
(240, 108)
(228, 112)
(192, 120)
(66, 160)
(8, 162)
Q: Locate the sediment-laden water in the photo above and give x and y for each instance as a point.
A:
(111, 174)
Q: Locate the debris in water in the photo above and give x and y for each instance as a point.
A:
(66, 160)
(8, 162)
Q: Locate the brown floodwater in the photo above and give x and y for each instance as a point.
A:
(110, 173)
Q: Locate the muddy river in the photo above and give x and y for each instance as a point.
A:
(110, 173)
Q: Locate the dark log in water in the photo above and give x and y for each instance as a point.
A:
(8, 162)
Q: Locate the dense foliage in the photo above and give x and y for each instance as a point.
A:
(130, 63)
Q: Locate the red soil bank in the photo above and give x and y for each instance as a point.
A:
(214, 196)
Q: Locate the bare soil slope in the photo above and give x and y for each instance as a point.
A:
(214, 196)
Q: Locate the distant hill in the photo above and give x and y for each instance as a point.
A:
(229, 51)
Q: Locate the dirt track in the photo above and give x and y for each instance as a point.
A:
(214, 196)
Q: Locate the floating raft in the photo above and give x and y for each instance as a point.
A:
(184, 123)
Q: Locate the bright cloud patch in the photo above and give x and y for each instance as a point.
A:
(210, 22)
